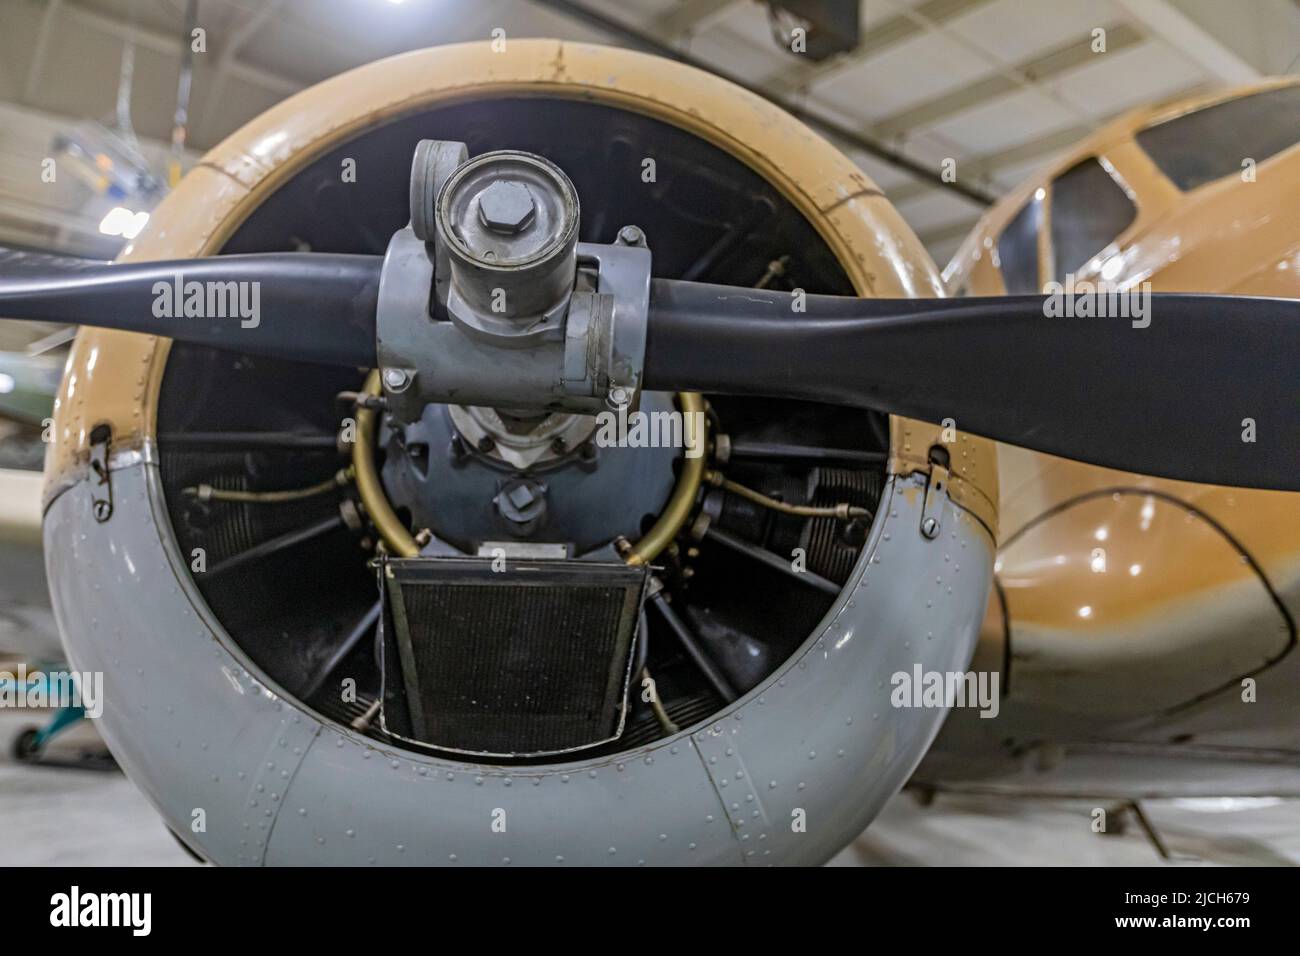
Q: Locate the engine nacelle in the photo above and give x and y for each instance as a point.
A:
(209, 658)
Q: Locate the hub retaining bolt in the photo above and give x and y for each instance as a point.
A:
(506, 207)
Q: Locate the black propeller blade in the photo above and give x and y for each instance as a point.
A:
(1176, 398)
(309, 306)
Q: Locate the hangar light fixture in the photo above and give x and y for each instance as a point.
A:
(120, 221)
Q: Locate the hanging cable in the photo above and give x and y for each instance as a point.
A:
(180, 124)
(125, 84)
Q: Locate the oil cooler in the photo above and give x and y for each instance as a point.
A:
(507, 659)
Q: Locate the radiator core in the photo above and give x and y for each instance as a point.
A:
(528, 660)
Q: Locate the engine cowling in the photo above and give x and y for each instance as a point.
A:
(207, 709)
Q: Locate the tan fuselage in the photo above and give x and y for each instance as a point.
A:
(1130, 603)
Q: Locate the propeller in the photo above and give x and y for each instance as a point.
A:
(1202, 388)
(1177, 398)
(314, 307)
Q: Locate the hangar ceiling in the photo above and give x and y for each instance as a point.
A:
(1000, 86)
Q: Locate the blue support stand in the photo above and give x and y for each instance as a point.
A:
(31, 743)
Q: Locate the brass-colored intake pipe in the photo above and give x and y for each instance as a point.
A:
(400, 542)
(679, 506)
(395, 534)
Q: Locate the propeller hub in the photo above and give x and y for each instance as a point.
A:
(482, 302)
(509, 222)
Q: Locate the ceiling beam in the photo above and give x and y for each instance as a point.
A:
(984, 168)
(878, 37)
(40, 49)
(689, 16)
(170, 45)
(1163, 19)
(1045, 66)
(847, 136)
(48, 228)
(227, 61)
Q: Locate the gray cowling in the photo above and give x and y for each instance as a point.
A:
(196, 726)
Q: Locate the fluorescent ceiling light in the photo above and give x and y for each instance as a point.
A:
(120, 221)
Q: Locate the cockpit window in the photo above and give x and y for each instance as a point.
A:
(1089, 209)
(1018, 250)
(1211, 143)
